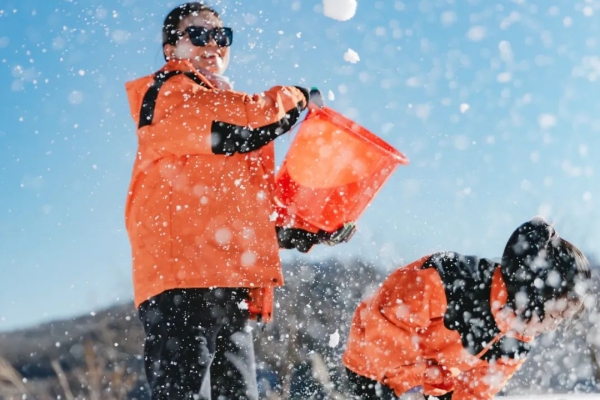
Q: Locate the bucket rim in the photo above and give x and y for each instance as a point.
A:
(356, 130)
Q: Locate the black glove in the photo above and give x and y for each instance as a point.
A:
(303, 241)
(293, 238)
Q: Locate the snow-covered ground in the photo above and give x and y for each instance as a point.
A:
(531, 397)
(554, 397)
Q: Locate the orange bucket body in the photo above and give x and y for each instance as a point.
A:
(333, 169)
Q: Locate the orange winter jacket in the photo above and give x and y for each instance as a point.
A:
(435, 324)
(199, 210)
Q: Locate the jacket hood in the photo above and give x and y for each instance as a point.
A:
(136, 90)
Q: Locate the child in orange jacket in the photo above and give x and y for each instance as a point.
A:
(458, 327)
(204, 232)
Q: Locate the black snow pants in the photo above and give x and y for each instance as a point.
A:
(363, 388)
(198, 345)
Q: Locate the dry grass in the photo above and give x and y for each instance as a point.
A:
(11, 382)
(103, 375)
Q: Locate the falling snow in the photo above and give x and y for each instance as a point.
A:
(341, 10)
(351, 56)
(494, 103)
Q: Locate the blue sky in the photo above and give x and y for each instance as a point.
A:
(527, 145)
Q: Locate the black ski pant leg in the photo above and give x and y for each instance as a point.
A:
(183, 327)
(179, 348)
(233, 371)
(363, 388)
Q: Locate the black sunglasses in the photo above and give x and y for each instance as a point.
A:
(200, 36)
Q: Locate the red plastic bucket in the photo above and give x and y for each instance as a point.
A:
(333, 169)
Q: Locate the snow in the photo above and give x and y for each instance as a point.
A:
(243, 305)
(527, 397)
(460, 89)
(351, 56)
(476, 33)
(547, 121)
(341, 10)
(334, 339)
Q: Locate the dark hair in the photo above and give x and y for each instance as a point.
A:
(538, 266)
(171, 24)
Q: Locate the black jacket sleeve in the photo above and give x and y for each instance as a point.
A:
(229, 138)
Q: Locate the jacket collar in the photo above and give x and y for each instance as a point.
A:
(186, 66)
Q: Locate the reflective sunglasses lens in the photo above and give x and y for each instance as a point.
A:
(198, 36)
(223, 36)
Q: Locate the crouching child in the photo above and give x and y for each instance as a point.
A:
(458, 327)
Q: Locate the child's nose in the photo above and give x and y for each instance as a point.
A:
(211, 42)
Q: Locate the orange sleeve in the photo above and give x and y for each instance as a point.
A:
(190, 119)
(271, 106)
(483, 382)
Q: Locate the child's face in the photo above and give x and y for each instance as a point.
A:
(556, 311)
(211, 57)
